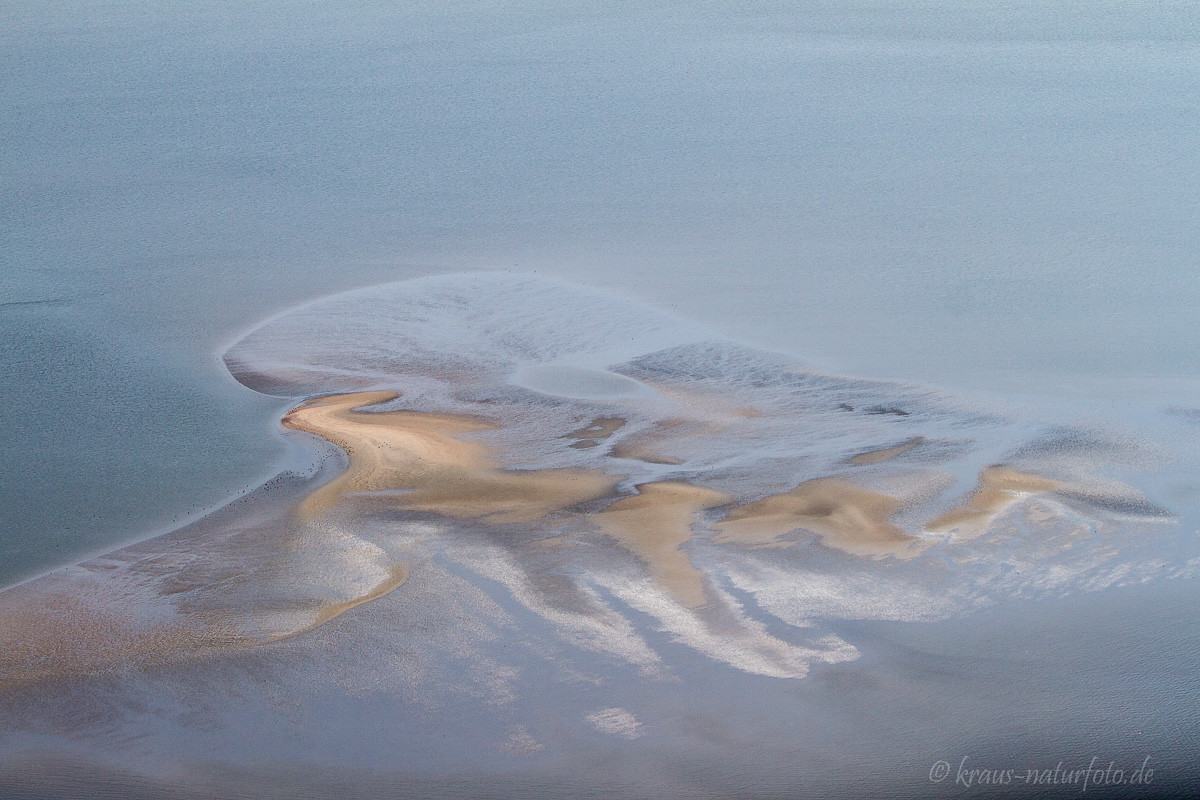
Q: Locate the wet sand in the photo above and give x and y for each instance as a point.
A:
(594, 432)
(887, 454)
(250, 573)
(845, 516)
(614, 578)
(998, 488)
(464, 563)
(63, 629)
(417, 461)
(287, 563)
(654, 525)
(397, 575)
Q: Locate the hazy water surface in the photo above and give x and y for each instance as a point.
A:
(959, 193)
(992, 198)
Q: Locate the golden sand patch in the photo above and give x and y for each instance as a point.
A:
(653, 524)
(599, 428)
(416, 461)
(887, 454)
(998, 488)
(845, 516)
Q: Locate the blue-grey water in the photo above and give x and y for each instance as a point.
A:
(977, 195)
(992, 198)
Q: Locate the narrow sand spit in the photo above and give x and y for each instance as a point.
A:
(887, 454)
(397, 575)
(998, 488)
(654, 524)
(416, 461)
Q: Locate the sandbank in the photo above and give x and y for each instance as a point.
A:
(417, 461)
(654, 523)
(845, 516)
(887, 454)
(998, 488)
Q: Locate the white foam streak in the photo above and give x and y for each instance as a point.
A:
(744, 645)
(601, 630)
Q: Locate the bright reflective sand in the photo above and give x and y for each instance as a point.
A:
(654, 525)
(418, 462)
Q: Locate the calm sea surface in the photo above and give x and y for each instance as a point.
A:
(991, 198)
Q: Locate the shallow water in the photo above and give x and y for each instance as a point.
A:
(1105, 685)
(994, 200)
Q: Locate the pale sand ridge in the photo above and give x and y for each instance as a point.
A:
(845, 516)
(654, 524)
(416, 461)
(887, 454)
(998, 488)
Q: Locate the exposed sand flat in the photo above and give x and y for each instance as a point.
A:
(998, 488)
(403, 625)
(879, 456)
(83, 625)
(416, 461)
(654, 523)
(599, 428)
(121, 611)
(845, 516)
(396, 577)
